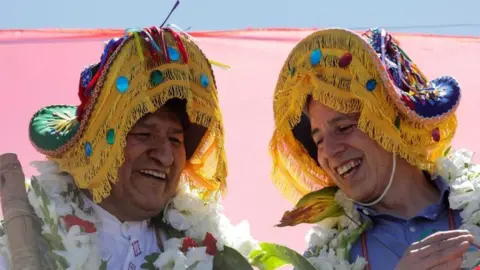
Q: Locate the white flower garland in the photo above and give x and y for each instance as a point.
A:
(78, 247)
(463, 178)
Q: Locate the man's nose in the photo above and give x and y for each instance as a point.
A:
(332, 146)
(162, 152)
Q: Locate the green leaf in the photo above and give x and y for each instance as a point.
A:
(150, 259)
(447, 151)
(326, 193)
(230, 258)
(272, 256)
(35, 186)
(54, 241)
(313, 208)
(346, 242)
(61, 261)
(103, 266)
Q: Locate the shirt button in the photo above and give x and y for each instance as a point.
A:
(412, 229)
(124, 229)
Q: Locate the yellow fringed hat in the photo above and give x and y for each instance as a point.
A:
(370, 75)
(137, 75)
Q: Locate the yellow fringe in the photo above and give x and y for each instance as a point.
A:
(344, 90)
(120, 112)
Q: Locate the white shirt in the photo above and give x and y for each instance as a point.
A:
(123, 244)
(126, 244)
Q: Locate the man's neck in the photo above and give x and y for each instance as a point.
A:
(115, 209)
(116, 212)
(409, 194)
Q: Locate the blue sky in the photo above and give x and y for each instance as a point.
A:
(403, 16)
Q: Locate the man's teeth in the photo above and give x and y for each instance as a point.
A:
(341, 170)
(154, 174)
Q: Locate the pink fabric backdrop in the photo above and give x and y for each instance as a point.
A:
(42, 67)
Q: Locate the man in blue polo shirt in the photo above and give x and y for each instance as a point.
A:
(359, 126)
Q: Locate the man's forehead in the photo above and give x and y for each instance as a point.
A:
(160, 115)
(340, 117)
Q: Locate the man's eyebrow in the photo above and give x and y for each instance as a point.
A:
(177, 130)
(343, 118)
(144, 124)
(353, 116)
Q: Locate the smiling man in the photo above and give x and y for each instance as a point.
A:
(366, 138)
(155, 157)
(135, 171)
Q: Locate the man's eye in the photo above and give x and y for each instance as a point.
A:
(176, 140)
(319, 141)
(141, 135)
(346, 128)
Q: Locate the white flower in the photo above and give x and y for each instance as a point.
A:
(458, 200)
(446, 168)
(349, 209)
(49, 167)
(240, 239)
(462, 157)
(329, 223)
(35, 203)
(207, 224)
(78, 248)
(319, 236)
(178, 220)
(359, 263)
(204, 265)
(452, 166)
(173, 243)
(197, 258)
(321, 263)
(171, 259)
(471, 212)
(186, 211)
(46, 228)
(62, 209)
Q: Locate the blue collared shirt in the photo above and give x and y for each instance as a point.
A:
(390, 236)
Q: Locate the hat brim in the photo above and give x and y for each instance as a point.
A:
(52, 127)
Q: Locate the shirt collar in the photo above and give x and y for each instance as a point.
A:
(110, 224)
(430, 212)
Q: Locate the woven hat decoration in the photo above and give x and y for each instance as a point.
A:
(137, 74)
(368, 74)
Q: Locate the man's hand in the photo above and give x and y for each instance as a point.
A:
(441, 250)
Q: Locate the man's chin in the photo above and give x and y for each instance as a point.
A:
(148, 199)
(147, 211)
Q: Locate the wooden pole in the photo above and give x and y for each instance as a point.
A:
(21, 223)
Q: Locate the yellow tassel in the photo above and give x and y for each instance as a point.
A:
(120, 111)
(139, 46)
(218, 64)
(344, 90)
